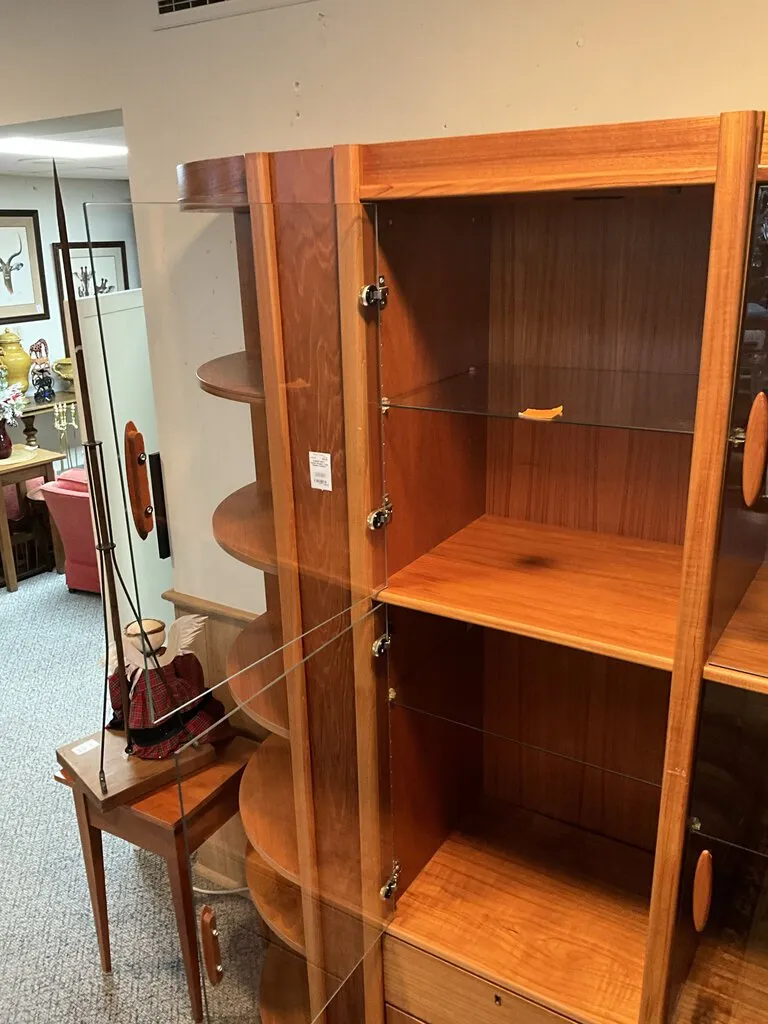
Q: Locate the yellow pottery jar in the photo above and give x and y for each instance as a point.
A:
(17, 361)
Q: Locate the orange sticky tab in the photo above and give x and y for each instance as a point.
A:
(541, 414)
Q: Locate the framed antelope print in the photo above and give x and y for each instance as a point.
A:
(23, 295)
(97, 268)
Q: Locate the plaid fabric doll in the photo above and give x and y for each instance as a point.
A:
(181, 706)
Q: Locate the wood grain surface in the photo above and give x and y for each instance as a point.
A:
(673, 152)
(214, 184)
(743, 644)
(551, 912)
(267, 806)
(628, 482)
(740, 139)
(284, 993)
(277, 899)
(255, 674)
(444, 994)
(574, 736)
(244, 526)
(236, 376)
(596, 592)
(702, 891)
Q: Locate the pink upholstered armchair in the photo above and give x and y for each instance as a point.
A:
(68, 501)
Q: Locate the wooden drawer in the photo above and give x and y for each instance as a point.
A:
(395, 1016)
(439, 993)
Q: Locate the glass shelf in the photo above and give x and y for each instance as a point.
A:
(610, 398)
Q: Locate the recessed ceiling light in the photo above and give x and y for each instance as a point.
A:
(23, 146)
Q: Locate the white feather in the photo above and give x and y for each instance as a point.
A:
(181, 636)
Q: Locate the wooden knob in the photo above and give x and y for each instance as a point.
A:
(702, 891)
(755, 451)
(209, 935)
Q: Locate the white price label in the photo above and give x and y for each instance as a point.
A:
(83, 748)
(320, 471)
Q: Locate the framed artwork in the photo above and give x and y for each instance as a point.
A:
(23, 295)
(97, 268)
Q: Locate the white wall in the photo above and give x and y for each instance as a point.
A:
(331, 72)
(109, 222)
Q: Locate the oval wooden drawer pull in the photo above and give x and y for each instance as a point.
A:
(138, 481)
(755, 451)
(702, 891)
(209, 934)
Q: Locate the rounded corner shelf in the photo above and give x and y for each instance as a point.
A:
(236, 377)
(244, 527)
(277, 899)
(213, 185)
(251, 670)
(284, 994)
(267, 806)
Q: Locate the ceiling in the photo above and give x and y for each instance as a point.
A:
(104, 127)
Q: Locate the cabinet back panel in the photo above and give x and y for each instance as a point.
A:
(609, 284)
(586, 708)
(629, 482)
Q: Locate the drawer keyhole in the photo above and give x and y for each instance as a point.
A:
(497, 1000)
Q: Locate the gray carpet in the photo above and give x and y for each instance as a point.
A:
(50, 692)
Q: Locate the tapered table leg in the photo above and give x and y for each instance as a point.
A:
(93, 856)
(184, 907)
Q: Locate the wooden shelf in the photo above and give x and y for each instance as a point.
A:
(284, 995)
(549, 911)
(236, 377)
(244, 526)
(740, 657)
(252, 674)
(267, 806)
(276, 899)
(603, 593)
(215, 185)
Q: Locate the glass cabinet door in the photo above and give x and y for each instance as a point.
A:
(739, 635)
(721, 953)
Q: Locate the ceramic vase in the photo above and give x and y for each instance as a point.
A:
(6, 445)
(17, 361)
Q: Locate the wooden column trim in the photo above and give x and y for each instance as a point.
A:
(362, 556)
(259, 184)
(739, 144)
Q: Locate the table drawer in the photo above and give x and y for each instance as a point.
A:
(395, 1016)
(439, 993)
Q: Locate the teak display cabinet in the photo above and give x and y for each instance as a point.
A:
(488, 628)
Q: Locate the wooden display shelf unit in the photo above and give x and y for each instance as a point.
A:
(567, 258)
(740, 655)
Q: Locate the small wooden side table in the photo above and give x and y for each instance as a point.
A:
(155, 823)
(24, 465)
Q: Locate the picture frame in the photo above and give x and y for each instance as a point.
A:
(23, 293)
(109, 261)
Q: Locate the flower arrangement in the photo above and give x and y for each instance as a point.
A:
(11, 398)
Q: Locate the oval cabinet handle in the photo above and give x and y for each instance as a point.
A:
(755, 451)
(702, 891)
(138, 481)
(209, 934)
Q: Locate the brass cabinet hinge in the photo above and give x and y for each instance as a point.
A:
(737, 437)
(388, 889)
(381, 515)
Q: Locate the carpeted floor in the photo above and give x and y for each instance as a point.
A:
(50, 692)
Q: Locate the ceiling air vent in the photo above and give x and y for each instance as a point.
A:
(174, 13)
